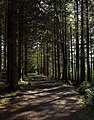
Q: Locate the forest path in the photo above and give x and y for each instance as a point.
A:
(48, 100)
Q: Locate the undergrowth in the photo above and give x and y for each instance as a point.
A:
(87, 101)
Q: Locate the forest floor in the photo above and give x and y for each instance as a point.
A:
(46, 100)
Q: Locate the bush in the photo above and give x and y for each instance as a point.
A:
(89, 103)
(88, 100)
(83, 87)
(31, 69)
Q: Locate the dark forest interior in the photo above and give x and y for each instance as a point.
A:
(47, 55)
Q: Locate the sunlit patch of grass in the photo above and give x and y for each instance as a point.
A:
(23, 82)
(2, 106)
(7, 94)
(4, 102)
(87, 113)
(80, 102)
(25, 85)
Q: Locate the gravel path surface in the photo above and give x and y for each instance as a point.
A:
(48, 100)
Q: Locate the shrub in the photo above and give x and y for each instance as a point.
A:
(88, 100)
(31, 69)
(89, 103)
(83, 87)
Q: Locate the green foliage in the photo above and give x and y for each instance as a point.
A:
(89, 104)
(7, 94)
(24, 85)
(31, 68)
(87, 101)
(83, 87)
(93, 74)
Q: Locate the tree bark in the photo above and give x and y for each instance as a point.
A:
(71, 54)
(52, 60)
(11, 44)
(20, 41)
(0, 49)
(5, 43)
(87, 40)
(77, 46)
(82, 47)
(47, 60)
(65, 51)
(26, 57)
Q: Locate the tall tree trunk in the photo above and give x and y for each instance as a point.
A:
(58, 60)
(47, 60)
(93, 66)
(37, 59)
(0, 48)
(5, 42)
(11, 51)
(41, 68)
(68, 59)
(58, 37)
(91, 61)
(62, 44)
(71, 54)
(26, 57)
(52, 60)
(77, 46)
(82, 47)
(87, 25)
(65, 51)
(20, 41)
(55, 39)
(55, 64)
(44, 69)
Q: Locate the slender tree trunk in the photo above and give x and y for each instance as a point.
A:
(44, 72)
(62, 45)
(0, 49)
(55, 65)
(82, 47)
(5, 42)
(58, 60)
(52, 60)
(47, 66)
(71, 54)
(91, 61)
(20, 41)
(55, 39)
(77, 46)
(26, 57)
(41, 68)
(93, 66)
(87, 25)
(65, 54)
(37, 59)
(68, 59)
(58, 47)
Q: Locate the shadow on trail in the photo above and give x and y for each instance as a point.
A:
(48, 101)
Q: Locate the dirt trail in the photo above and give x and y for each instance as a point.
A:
(48, 100)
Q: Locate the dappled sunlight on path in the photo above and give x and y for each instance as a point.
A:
(48, 100)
